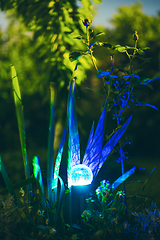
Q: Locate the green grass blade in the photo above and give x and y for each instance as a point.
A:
(20, 118)
(148, 178)
(6, 179)
(50, 161)
(19, 185)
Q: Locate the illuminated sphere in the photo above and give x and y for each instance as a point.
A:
(81, 175)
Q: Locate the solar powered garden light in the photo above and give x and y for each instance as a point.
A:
(81, 179)
(81, 175)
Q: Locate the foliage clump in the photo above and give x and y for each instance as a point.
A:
(144, 225)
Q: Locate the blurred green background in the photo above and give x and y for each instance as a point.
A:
(37, 41)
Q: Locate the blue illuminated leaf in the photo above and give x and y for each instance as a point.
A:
(113, 76)
(38, 175)
(146, 81)
(91, 45)
(94, 146)
(58, 161)
(103, 74)
(89, 146)
(108, 147)
(106, 74)
(122, 178)
(73, 138)
(145, 104)
(131, 75)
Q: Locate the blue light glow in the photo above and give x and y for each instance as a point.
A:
(81, 175)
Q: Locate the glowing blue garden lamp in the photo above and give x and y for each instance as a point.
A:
(81, 175)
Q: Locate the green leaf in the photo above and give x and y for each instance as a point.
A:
(6, 179)
(20, 118)
(74, 55)
(16, 89)
(140, 51)
(67, 191)
(127, 47)
(120, 48)
(19, 185)
(99, 34)
(145, 48)
(144, 59)
(148, 178)
(97, 1)
(99, 92)
(91, 33)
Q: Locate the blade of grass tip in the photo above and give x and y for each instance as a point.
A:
(62, 190)
(19, 185)
(21, 126)
(148, 178)
(7, 180)
(38, 175)
(50, 162)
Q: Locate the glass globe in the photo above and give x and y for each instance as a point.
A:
(81, 175)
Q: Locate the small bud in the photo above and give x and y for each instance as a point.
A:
(86, 22)
(135, 36)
